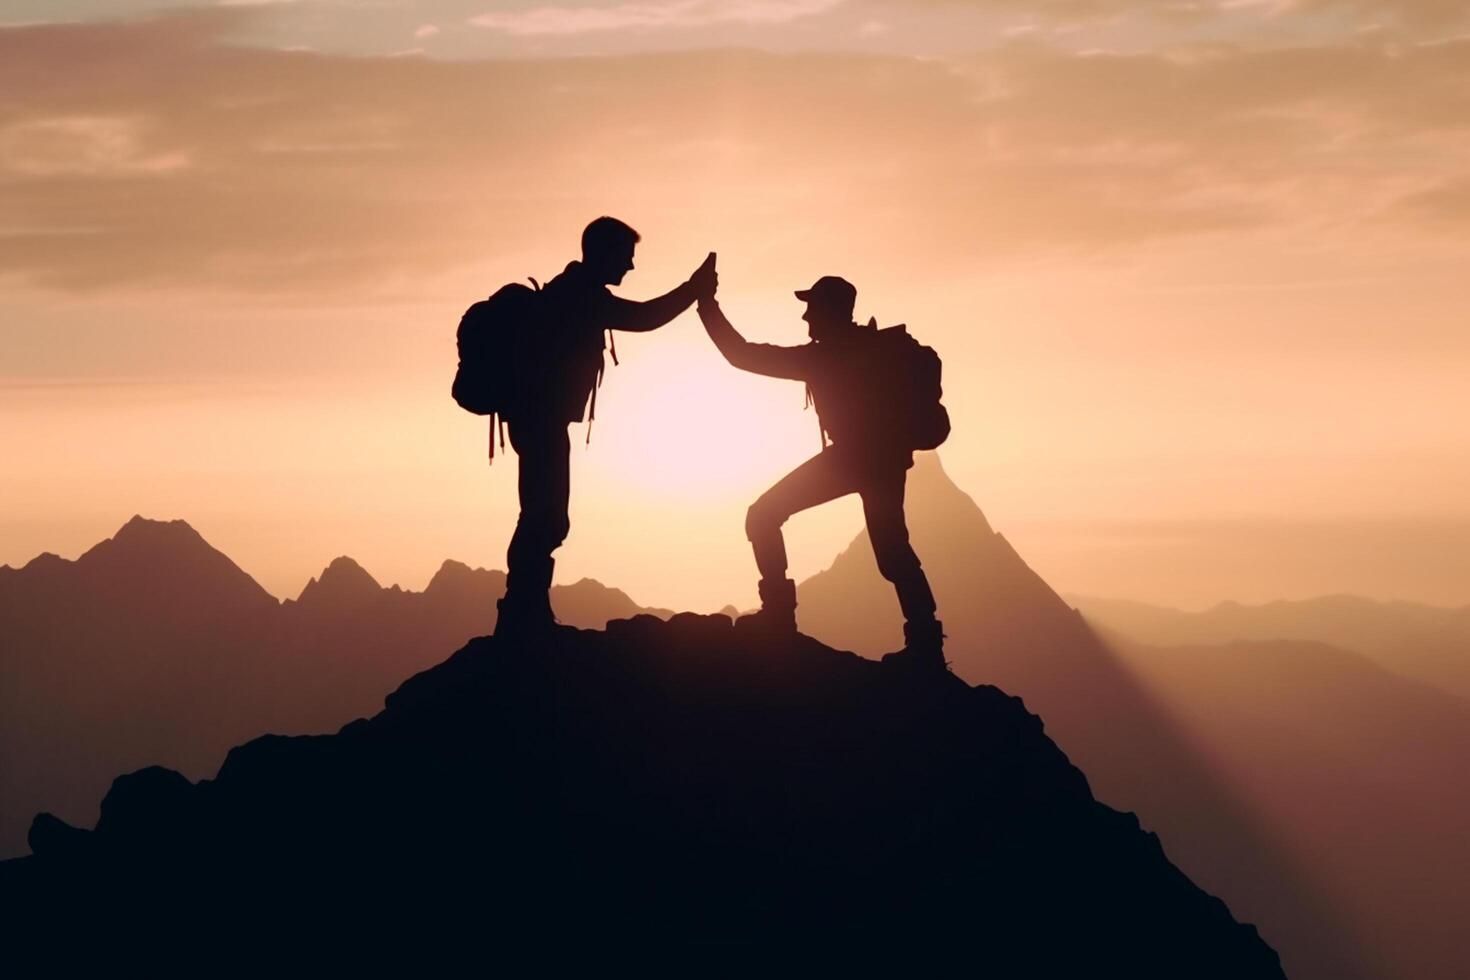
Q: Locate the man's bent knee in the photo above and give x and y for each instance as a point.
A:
(762, 522)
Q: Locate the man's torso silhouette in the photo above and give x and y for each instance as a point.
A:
(577, 310)
(867, 455)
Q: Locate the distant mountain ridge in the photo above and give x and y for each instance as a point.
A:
(162, 650)
(148, 564)
(1426, 643)
(1360, 770)
(1226, 751)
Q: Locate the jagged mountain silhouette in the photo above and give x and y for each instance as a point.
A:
(87, 696)
(154, 647)
(342, 583)
(1313, 877)
(148, 566)
(678, 793)
(145, 648)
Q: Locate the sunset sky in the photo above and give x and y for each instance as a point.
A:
(1199, 273)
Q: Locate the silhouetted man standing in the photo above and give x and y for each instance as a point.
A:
(576, 310)
(845, 367)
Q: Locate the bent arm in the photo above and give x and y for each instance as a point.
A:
(627, 314)
(767, 359)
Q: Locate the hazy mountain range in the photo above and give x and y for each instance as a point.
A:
(1316, 792)
(1426, 643)
(1313, 790)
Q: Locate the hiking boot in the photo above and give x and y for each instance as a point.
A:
(923, 647)
(778, 608)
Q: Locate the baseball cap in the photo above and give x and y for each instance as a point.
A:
(832, 292)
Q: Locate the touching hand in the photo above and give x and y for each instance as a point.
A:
(705, 279)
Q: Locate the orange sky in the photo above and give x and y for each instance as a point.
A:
(1199, 282)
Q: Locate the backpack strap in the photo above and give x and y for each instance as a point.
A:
(810, 402)
(592, 409)
(601, 368)
(497, 421)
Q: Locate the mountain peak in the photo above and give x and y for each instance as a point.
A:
(451, 569)
(345, 569)
(457, 581)
(977, 576)
(944, 501)
(169, 563)
(454, 575)
(140, 528)
(45, 560)
(153, 542)
(342, 580)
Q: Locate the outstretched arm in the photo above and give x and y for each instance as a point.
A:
(767, 359)
(626, 314)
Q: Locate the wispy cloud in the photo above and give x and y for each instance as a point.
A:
(1447, 204)
(84, 146)
(1427, 15)
(186, 160)
(656, 14)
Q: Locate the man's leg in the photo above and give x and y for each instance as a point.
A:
(882, 495)
(818, 480)
(544, 485)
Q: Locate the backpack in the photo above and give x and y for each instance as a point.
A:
(899, 381)
(911, 378)
(496, 340)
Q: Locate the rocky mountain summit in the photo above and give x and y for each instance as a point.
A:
(683, 792)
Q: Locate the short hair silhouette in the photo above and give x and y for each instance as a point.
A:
(604, 234)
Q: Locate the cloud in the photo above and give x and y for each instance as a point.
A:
(1422, 14)
(1446, 205)
(1092, 10)
(173, 158)
(84, 146)
(426, 30)
(650, 15)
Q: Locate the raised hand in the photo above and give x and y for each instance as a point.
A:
(706, 279)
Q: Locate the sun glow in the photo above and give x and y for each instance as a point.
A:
(675, 418)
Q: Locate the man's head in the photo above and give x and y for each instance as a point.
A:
(607, 249)
(829, 305)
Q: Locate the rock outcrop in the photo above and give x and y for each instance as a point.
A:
(682, 794)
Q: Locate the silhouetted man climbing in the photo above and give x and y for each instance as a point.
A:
(876, 393)
(575, 309)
